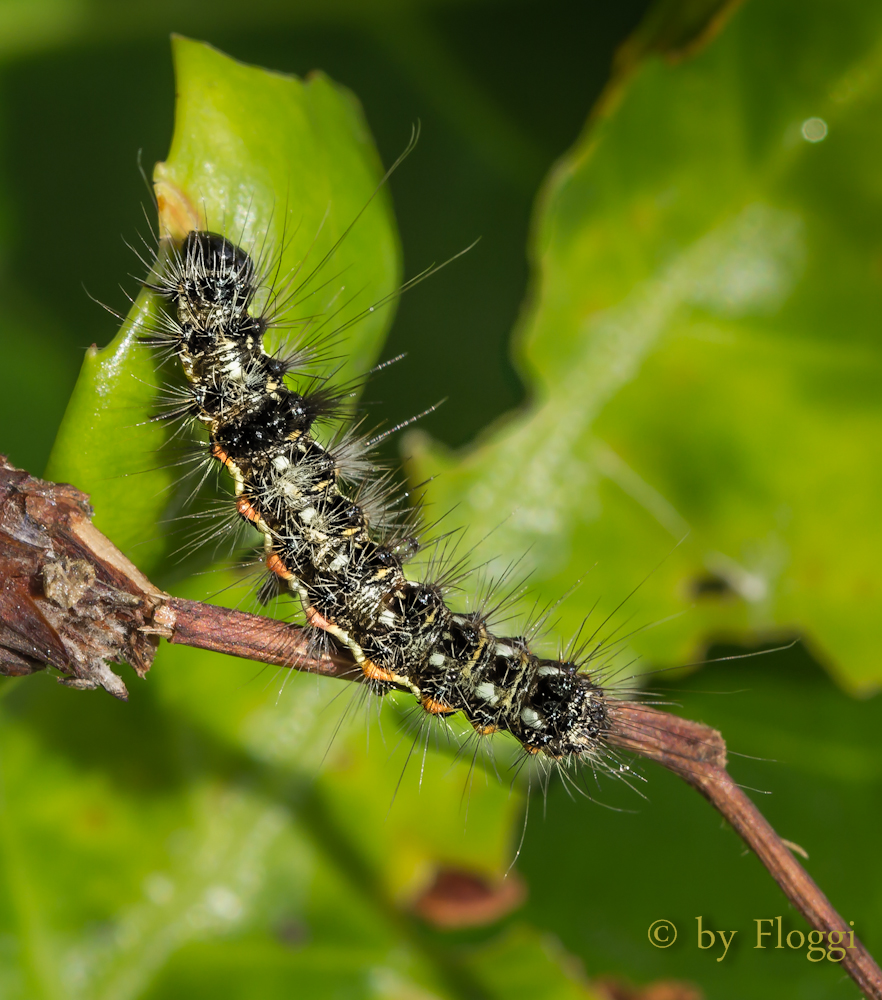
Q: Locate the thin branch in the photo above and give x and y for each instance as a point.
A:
(70, 599)
(697, 754)
(252, 637)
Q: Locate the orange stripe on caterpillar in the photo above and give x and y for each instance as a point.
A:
(375, 673)
(275, 564)
(315, 618)
(247, 510)
(434, 707)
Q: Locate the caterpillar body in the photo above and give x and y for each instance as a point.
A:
(324, 539)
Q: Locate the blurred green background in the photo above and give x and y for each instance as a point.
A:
(692, 273)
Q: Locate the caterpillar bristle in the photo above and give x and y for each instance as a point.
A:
(336, 528)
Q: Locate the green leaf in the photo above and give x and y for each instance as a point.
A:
(285, 167)
(703, 352)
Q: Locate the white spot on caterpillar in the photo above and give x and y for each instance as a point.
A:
(307, 514)
(487, 692)
(546, 670)
(530, 717)
(437, 659)
(503, 650)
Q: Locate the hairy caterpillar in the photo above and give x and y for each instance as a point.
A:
(330, 540)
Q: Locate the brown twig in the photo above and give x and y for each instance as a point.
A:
(70, 599)
(697, 754)
(251, 637)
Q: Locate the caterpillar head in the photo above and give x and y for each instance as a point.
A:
(214, 274)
